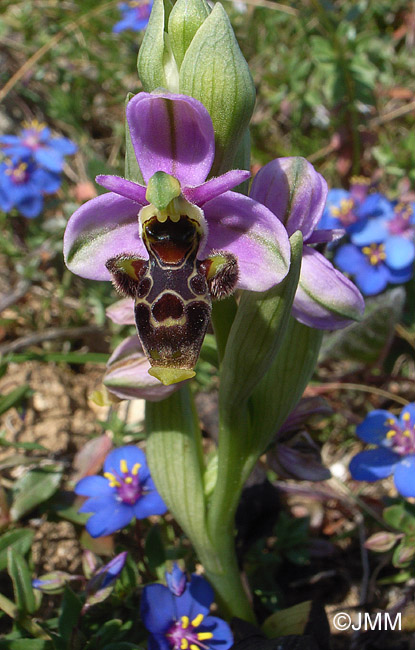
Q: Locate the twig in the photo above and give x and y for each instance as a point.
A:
(49, 335)
(21, 290)
(268, 4)
(67, 29)
(338, 385)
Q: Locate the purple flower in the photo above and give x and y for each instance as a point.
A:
(23, 184)
(36, 140)
(135, 15)
(179, 242)
(127, 374)
(395, 452)
(296, 194)
(176, 580)
(182, 622)
(125, 491)
(376, 265)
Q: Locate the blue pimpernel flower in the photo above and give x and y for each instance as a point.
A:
(350, 209)
(375, 265)
(23, 184)
(183, 622)
(125, 491)
(135, 15)
(36, 140)
(395, 452)
(399, 221)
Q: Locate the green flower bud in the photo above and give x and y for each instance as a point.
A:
(192, 50)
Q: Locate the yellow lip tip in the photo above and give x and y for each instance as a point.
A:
(169, 376)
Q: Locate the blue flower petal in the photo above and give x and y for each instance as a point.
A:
(404, 476)
(157, 608)
(96, 504)
(400, 252)
(222, 635)
(149, 504)
(132, 455)
(110, 520)
(158, 642)
(49, 158)
(373, 464)
(30, 206)
(46, 181)
(372, 279)
(350, 259)
(375, 426)
(93, 486)
(376, 205)
(401, 276)
(65, 146)
(196, 599)
(373, 231)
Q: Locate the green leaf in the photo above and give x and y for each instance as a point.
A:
(153, 50)
(185, 19)
(132, 169)
(69, 616)
(14, 397)
(215, 72)
(154, 548)
(19, 540)
(256, 335)
(292, 620)
(26, 644)
(35, 487)
(365, 341)
(22, 582)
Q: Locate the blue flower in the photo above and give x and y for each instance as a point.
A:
(176, 580)
(182, 622)
(135, 15)
(23, 184)
(36, 140)
(107, 575)
(351, 209)
(395, 452)
(375, 265)
(125, 491)
(399, 221)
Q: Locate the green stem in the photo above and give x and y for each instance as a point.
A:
(223, 314)
(174, 453)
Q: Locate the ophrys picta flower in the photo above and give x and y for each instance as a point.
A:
(180, 241)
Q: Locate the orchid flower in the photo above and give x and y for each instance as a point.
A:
(296, 194)
(179, 241)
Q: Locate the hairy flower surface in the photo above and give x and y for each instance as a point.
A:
(296, 194)
(135, 15)
(23, 184)
(183, 622)
(395, 452)
(179, 242)
(125, 491)
(36, 140)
